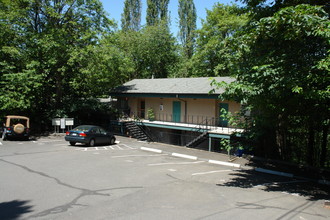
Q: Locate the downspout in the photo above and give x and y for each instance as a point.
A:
(185, 108)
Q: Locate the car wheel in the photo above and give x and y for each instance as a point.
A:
(112, 141)
(91, 143)
(72, 143)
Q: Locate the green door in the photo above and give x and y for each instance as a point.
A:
(176, 111)
(223, 107)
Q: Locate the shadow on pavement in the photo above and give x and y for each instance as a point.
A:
(272, 183)
(14, 209)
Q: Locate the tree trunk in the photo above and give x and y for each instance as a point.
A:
(281, 137)
(324, 144)
(311, 145)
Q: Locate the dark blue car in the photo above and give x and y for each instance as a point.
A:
(89, 135)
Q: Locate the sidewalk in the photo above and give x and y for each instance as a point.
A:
(252, 163)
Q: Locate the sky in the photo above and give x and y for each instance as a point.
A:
(115, 8)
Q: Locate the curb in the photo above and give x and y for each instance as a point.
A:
(192, 157)
(291, 175)
(235, 165)
(151, 150)
(261, 170)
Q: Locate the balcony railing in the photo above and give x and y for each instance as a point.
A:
(198, 121)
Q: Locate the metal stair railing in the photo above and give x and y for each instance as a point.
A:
(204, 125)
(136, 131)
(198, 140)
(146, 131)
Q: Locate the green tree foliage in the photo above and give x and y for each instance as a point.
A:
(159, 51)
(131, 18)
(187, 25)
(265, 8)
(157, 12)
(151, 52)
(163, 10)
(284, 78)
(41, 43)
(215, 54)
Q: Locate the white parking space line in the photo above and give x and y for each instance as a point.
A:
(180, 163)
(60, 144)
(0, 143)
(47, 141)
(120, 148)
(105, 148)
(210, 172)
(141, 155)
(100, 148)
(129, 146)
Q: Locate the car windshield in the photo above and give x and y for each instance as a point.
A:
(83, 128)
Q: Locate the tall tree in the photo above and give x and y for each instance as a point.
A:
(159, 51)
(131, 18)
(163, 10)
(284, 77)
(150, 52)
(44, 40)
(187, 26)
(157, 11)
(214, 54)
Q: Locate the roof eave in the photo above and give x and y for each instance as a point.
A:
(166, 95)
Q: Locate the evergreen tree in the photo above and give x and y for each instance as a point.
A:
(157, 11)
(131, 17)
(163, 10)
(187, 25)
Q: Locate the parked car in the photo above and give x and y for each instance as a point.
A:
(89, 135)
(15, 127)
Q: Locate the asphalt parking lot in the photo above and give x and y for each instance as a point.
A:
(48, 179)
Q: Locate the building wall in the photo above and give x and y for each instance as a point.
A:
(193, 111)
